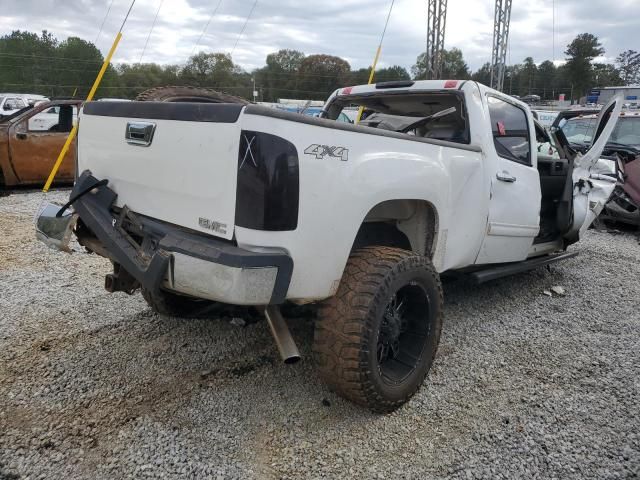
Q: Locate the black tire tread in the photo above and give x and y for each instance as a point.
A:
(173, 305)
(170, 93)
(343, 320)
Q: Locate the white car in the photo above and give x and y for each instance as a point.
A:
(11, 103)
(48, 120)
(248, 205)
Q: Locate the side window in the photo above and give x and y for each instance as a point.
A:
(510, 131)
(14, 104)
(55, 119)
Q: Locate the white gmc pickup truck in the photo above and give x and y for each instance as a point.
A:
(247, 205)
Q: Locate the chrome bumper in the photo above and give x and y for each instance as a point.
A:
(53, 230)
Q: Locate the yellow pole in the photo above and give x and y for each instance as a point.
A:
(74, 130)
(373, 71)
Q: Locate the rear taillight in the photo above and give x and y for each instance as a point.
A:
(268, 183)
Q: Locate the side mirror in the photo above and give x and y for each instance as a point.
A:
(7, 106)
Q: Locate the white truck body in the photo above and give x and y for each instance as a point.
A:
(249, 205)
(187, 176)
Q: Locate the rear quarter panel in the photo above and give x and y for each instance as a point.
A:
(336, 195)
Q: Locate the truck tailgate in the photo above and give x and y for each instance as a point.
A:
(186, 175)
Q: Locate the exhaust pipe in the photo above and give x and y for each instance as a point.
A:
(281, 334)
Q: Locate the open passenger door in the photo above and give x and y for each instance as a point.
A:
(591, 190)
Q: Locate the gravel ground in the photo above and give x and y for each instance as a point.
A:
(525, 385)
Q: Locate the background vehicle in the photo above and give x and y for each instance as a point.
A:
(28, 151)
(248, 205)
(49, 119)
(317, 112)
(531, 98)
(621, 158)
(545, 117)
(11, 103)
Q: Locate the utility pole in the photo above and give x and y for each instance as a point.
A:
(500, 41)
(255, 92)
(436, 23)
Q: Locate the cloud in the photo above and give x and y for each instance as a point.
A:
(347, 28)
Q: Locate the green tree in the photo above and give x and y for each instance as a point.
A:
(453, 65)
(561, 82)
(545, 79)
(483, 74)
(528, 76)
(360, 76)
(580, 53)
(285, 60)
(28, 62)
(390, 74)
(629, 64)
(387, 74)
(135, 78)
(215, 70)
(512, 75)
(279, 78)
(606, 75)
(322, 74)
(78, 63)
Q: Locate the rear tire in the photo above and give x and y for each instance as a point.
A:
(376, 339)
(187, 94)
(174, 305)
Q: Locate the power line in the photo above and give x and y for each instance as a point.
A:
(553, 33)
(215, 10)
(102, 24)
(51, 59)
(62, 68)
(244, 26)
(145, 87)
(386, 23)
(151, 31)
(127, 15)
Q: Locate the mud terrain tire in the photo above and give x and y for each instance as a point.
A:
(359, 324)
(187, 94)
(174, 305)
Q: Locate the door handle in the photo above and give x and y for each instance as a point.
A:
(21, 136)
(505, 176)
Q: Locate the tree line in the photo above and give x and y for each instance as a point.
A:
(41, 64)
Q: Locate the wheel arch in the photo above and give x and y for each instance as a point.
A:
(411, 224)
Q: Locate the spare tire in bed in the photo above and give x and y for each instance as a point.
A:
(188, 94)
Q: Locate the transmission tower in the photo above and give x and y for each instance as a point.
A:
(436, 20)
(500, 40)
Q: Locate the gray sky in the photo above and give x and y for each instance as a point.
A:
(347, 28)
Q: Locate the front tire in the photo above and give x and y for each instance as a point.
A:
(376, 339)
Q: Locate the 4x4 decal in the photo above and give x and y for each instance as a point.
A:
(321, 151)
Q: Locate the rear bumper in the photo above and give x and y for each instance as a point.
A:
(158, 254)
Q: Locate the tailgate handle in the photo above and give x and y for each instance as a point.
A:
(140, 133)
